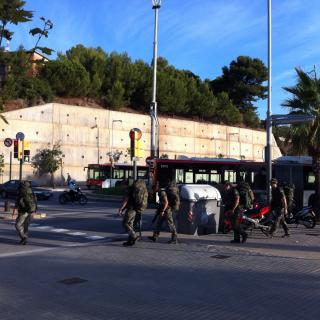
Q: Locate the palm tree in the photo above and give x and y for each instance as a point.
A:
(306, 100)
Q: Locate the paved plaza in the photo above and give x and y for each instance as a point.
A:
(75, 267)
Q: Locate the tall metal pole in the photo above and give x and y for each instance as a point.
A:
(98, 144)
(268, 152)
(153, 108)
(111, 149)
(10, 168)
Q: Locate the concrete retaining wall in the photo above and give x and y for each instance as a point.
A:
(85, 132)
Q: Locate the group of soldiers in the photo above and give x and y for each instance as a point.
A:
(135, 202)
(239, 198)
(236, 198)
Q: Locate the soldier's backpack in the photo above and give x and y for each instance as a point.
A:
(288, 189)
(173, 195)
(27, 201)
(244, 193)
(139, 195)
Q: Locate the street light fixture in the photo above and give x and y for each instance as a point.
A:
(98, 140)
(156, 4)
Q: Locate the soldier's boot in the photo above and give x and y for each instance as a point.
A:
(244, 238)
(154, 237)
(173, 239)
(131, 241)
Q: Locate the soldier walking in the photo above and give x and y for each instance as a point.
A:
(134, 203)
(168, 202)
(26, 204)
(233, 205)
(279, 207)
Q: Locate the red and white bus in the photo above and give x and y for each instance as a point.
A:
(215, 171)
(106, 176)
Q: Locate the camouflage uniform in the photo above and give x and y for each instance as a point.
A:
(278, 209)
(129, 216)
(26, 205)
(135, 202)
(164, 215)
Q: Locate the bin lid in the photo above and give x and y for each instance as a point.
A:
(195, 192)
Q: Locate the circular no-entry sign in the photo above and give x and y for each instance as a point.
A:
(7, 142)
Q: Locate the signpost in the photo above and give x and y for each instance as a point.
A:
(8, 142)
(20, 137)
(135, 135)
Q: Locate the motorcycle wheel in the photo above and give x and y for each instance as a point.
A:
(83, 199)
(63, 199)
(310, 222)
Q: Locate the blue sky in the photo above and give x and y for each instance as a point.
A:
(198, 35)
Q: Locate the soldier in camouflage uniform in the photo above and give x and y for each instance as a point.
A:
(133, 208)
(280, 208)
(232, 204)
(26, 204)
(164, 213)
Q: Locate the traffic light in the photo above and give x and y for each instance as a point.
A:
(16, 149)
(135, 142)
(26, 151)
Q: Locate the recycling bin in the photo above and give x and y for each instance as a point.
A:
(199, 210)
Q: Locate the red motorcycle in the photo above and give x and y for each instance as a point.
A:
(256, 218)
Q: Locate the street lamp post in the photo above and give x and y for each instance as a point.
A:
(268, 151)
(156, 4)
(111, 148)
(98, 140)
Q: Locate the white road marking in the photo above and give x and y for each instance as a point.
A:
(44, 227)
(76, 233)
(60, 230)
(95, 237)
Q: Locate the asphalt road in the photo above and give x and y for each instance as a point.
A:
(75, 267)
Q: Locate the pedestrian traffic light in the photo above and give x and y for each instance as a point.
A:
(26, 151)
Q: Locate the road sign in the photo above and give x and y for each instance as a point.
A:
(20, 136)
(8, 142)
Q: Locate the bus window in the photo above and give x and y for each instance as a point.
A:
(142, 174)
(311, 178)
(230, 176)
(118, 174)
(202, 177)
(179, 176)
(215, 177)
(189, 177)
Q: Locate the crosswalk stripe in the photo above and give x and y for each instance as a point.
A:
(60, 230)
(76, 233)
(95, 237)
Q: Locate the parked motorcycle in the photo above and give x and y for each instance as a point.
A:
(73, 196)
(305, 216)
(256, 218)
